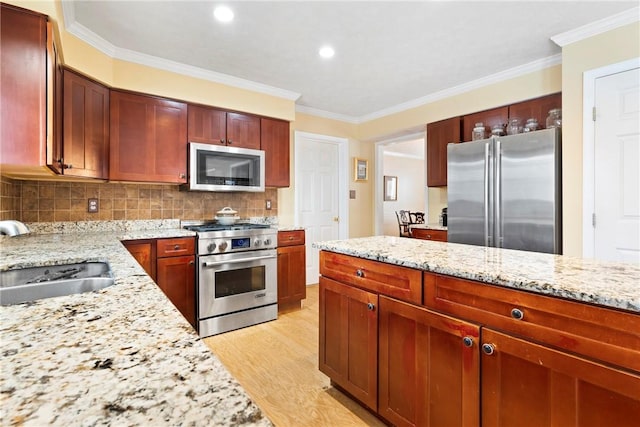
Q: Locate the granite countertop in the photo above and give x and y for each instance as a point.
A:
(123, 355)
(290, 228)
(602, 283)
(429, 226)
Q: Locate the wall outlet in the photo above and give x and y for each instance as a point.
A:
(352, 194)
(268, 205)
(92, 206)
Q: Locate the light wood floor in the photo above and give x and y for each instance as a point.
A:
(277, 364)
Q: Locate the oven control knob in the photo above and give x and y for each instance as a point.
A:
(222, 246)
(257, 242)
(267, 242)
(211, 247)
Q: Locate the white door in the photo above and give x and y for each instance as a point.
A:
(617, 167)
(317, 194)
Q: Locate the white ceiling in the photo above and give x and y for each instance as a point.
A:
(388, 54)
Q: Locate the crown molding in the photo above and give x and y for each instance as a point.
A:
(326, 114)
(115, 52)
(597, 27)
(510, 73)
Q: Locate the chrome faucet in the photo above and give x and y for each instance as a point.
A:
(13, 228)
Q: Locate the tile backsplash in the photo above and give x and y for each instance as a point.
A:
(47, 201)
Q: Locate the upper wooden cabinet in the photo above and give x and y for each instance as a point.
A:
(489, 118)
(537, 108)
(439, 134)
(274, 140)
(23, 78)
(148, 139)
(212, 126)
(85, 141)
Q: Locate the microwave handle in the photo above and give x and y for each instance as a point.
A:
(236, 261)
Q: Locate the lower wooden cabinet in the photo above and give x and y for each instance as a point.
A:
(176, 278)
(292, 268)
(427, 234)
(144, 251)
(528, 384)
(428, 367)
(477, 354)
(348, 351)
(171, 264)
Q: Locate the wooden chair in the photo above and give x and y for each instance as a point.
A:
(416, 217)
(404, 220)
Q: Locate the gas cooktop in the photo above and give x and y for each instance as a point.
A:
(219, 227)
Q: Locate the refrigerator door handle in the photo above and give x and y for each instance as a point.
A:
(487, 154)
(498, 196)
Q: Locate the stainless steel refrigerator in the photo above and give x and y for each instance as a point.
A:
(506, 192)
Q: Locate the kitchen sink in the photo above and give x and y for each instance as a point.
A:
(34, 283)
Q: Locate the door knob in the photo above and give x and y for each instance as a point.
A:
(336, 219)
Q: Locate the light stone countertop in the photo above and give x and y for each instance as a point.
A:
(121, 356)
(603, 283)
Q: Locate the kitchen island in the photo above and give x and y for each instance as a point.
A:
(123, 355)
(433, 333)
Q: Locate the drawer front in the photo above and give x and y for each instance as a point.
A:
(392, 280)
(290, 238)
(176, 247)
(437, 235)
(601, 333)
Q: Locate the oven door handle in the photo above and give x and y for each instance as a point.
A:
(237, 261)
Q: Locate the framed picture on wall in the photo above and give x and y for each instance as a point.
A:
(390, 188)
(361, 169)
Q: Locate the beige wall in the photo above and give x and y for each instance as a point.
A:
(609, 48)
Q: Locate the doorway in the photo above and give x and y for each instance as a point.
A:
(402, 159)
(321, 187)
(611, 228)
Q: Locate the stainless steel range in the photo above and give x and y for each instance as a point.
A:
(237, 282)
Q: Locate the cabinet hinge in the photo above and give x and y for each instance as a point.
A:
(593, 113)
(593, 220)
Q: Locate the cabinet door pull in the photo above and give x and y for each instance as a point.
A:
(467, 341)
(182, 176)
(371, 306)
(517, 314)
(192, 262)
(222, 141)
(360, 273)
(229, 141)
(488, 349)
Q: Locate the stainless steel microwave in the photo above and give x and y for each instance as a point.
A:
(224, 168)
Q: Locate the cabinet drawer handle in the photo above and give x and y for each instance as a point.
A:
(359, 273)
(467, 341)
(371, 306)
(176, 247)
(488, 349)
(428, 236)
(290, 237)
(517, 314)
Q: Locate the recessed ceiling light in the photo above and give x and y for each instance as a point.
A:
(326, 51)
(223, 14)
